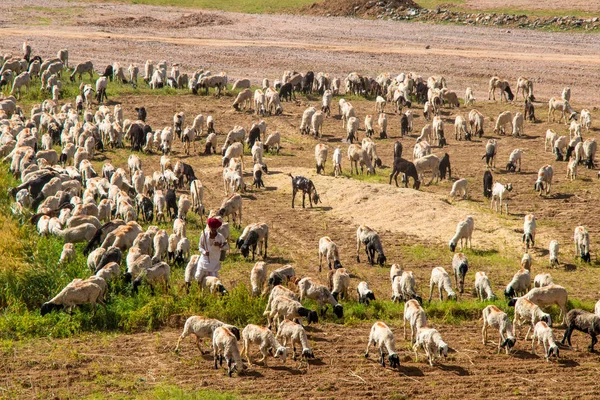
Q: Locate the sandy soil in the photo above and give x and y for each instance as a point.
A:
(256, 46)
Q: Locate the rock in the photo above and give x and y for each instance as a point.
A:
(427, 47)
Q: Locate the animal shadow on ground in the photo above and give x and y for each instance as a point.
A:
(270, 188)
(290, 370)
(458, 370)
(561, 196)
(524, 355)
(312, 329)
(566, 363)
(570, 267)
(249, 196)
(411, 371)
(252, 372)
(274, 173)
(279, 260)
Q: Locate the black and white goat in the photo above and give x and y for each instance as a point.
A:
(307, 187)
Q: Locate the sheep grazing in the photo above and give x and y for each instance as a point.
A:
(560, 146)
(382, 124)
(469, 97)
(459, 188)
(529, 226)
(273, 141)
(358, 155)
(583, 321)
(527, 312)
(286, 308)
(253, 236)
(543, 333)
(488, 182)
(281, 275)
(293, 333)
(519, 285)
(415, 315)
(500, 192)
(431, 163)
(352, 130)
(544, 180)
(232, 206)
(307, 187)
(464, 231)
(514, 160)
(225, 345)
(441, 279)
(491, 149)
(483, 287)
(476, 120)
(460, 265)
(321, 156)
(524, 84)
(337, 162)
(370, 238)
(264, 338)
(547, 296)
(383, 337)
(526, 261)
(561, 105)
(321, 294)
(243, 100)
(431, 342)
(76, 293)
(553, 253)
(542, 280)
(365, 295)
(339, 283)
(258, 277)
(589, 148)
(498, 319)
(581, 238)
(68, 253)
(505, 118)
(585, 117)
(202, 327)
(329, 250)
(460, 128)
(503, 85)
(306, 120)
(395, 270)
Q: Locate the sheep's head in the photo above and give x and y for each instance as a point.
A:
(307, 353)
(49, 307)
(547, 319)
(370, 296)
(510, 167)
(552, 350)
(586, 257)
(337, 264)
(452, 246)
(509, 293)
(452, 297)
(417, 185)
(281, 353)
(311, 316)
(221, 289)
(443, 349)
(315, 198)
(338, 310)
(335, 295)
(394, 360)
(509, 343)
(381, 259)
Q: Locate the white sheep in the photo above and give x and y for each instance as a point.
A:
(258, 277)
(109, 272)
(550, 139)
(546, 296)
(380, 104)
(430, 340)
(431, 163)
(321, 156)
(339, 283)
(527, 312)
(585, 117)
(581, 237)
(243, 100)
(526, 261)
(469, 97)
(514, 160)
(321, 294)
(422, 148)
(459, 188)
(202, 327)
(329, 250)
(476, 120)
(264, 338)
(213, 284)
(382, 124)
(543, 333)
(503, 119)
(225, 345)
(68, 253)
(293, 333)
(352, 129)
(306, 120)
(542, 280)
(357, 156)
(416, 317)
(284, 307)
(483, 287)
(553, 253)
(519, 285)
(529, 227)
(383, 338)
(441, 279)
(544, 179)
(464, 231)
(460, 127)
(500, 192)
(517, 124)
(75, 293)
(559, 104)
(498, 319)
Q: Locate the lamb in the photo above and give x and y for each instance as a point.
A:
(337, 162)
(464, 231)
(75, 293)
(225, 345)
(547, 296)
(158, 273)
(426, 163)
(491, 149)
(382, 124)
(503, 85)
(460, 266)
(253, 236)
(483, 287)
(586, 119)
(316, 124)
(430, 340)
(469, 98)
(321, 156)
(352, 129)
(581, 238)
(232, 206)
(267, 343)
(281, 275)
(528, 312)
(459, 187)
(563, 106)
(213, 284)
(582, 321)
(522, 84)
(500, 192)
(68, 253)
(321, 294)
(289, 331)
(382, 337)
(273, 141)
(498, 319)
(329, 250)
(476, 120)
(589, 148)
(202, 327)
(258, 277)
(520, 284)
(460, 128)
(364, 293)
(415, 315)
(560, 144)
(517, 124)
(503, 119)
(514, 160)
(542, 280)
(543, 333)
(544, 179)
(286, 308)
(243, 99)
(370, 238)
(306, 120)
(440, 277)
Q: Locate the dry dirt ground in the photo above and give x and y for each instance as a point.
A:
(125, 364)
(579, 5)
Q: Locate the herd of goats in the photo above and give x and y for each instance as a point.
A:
(66, 197)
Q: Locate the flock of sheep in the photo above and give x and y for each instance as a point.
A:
(69, 199)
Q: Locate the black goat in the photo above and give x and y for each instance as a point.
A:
(445, 167)
(404, 125)
(529, 111)
(307, 82)
(286, 91)
(113, 254)
(408, 169)
(147, 209)
(250, 243)
(583, 321)
(253, 136)
(488, 182)
(307, 187)
(141, 112)
(171, 200)
(258, 182)
(108, 72)
(138, 134)
(101, 234)
(34, 186)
